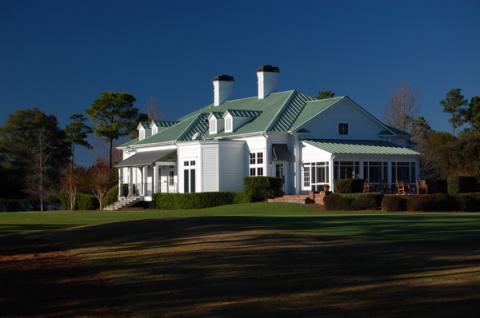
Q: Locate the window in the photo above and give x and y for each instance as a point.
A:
(404, 171)
(375, 171)
(228, 124)
(189, 176)
(346, 169)
(260, 158)
(256, 163)
(260, 171)
(252, 158)
(171, 177)
(315, 174)
(213, 126)
(343, 128)
(306, 176)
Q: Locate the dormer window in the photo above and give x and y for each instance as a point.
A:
(213, 125)
(343, 129)
(228, 124)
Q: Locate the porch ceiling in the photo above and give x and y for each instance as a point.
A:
(360, 147)
(148, 158)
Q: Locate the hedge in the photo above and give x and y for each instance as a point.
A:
(262, 188)
(173, 201)
(393, 203)
(348, 185)
(360, 201)
(83, 201)
(462, 184)
(432, 202)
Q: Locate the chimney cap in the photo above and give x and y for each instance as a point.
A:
(268, 68)
(224, 78)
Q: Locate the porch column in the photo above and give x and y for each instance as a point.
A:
(155, 179)
(120, 175)
(130, 181)
(330, 174)
(144, 180)
(389, 174)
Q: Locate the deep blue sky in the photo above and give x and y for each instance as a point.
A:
(60, 55)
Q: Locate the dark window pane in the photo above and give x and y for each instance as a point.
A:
(260, 172)
(192, 180)
(185, 180)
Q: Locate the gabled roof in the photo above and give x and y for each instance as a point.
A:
(286, 111)
(360, 147)
(311, 109)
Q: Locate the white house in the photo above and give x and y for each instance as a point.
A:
(304, 141)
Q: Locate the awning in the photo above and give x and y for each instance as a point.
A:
(360, 147)
(147, 158)
(280, 152)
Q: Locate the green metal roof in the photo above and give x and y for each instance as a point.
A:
(360, 147)
(163, 123)
(217, 115)
(243, 113)
(286, 111)
(129, 143)
(291, 112)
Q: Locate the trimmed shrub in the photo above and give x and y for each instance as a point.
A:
(367, 201)
(430, 202)
(262, 188)
(462, 184)
(83, 201)
(111, 196)
(174, 201)
(240, 197)
(392, 203)
(348, 185)
(338, 202)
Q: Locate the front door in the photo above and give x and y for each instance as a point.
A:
(171, 179)
(280, 173)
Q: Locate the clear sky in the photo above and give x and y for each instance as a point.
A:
(60, 55)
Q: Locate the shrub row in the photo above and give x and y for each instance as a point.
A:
(262, 188)
(424, 202)
(173, 201)
(348, 185)
(353, 201)
(83, 201)
(432, 202)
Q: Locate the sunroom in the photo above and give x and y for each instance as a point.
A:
(381, 164)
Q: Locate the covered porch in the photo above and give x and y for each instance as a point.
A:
(382, 165)
(146, 173)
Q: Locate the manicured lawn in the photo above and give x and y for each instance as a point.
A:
(248, 260)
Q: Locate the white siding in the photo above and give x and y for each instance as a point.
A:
(360, 125)
(233, 165)
(188, 152)
(210, 171)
